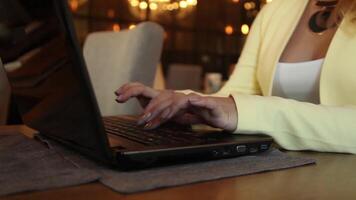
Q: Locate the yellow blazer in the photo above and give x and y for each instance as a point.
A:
(330, 126)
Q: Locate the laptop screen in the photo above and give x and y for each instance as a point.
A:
(48, 78)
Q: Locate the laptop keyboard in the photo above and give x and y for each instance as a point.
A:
(162, 136)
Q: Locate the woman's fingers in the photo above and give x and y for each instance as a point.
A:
(164, 108)
(184, 119)
(219, 112)
(155, 112)
(162, 100)
(165, 99)
(207, 103)
(163, 96)
(190, 109)
(180, 105)
(134, 90)
(124, 87)
(156, 122)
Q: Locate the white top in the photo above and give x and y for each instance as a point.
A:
(299, 81)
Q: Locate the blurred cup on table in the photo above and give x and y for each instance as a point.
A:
(212, 82)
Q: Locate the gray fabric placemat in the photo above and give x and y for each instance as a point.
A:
(185, 174)
(27, 165)
(143, 180)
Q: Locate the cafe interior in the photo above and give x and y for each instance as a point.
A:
(62, 64)
(202, 38)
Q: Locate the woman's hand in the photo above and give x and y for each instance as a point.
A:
(219, 112)
(162, 106)
(143, 93)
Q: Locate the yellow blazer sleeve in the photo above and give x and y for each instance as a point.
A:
(294, 125)
(297, 125)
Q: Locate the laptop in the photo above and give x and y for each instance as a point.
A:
(51, 88)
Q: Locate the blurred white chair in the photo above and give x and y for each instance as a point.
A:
(183, 76)
(115, 58)
(4, 95)
(159, 82)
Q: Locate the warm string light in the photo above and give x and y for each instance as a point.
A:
(249, 5)
(245, 29)
(111, 13)
(143, 5)
(169, 5)
(134, 3)
(238, 1)
(132, 26)
(192, 2)
(116, 27)
(153, 6)
(229, 30)
(75, 4)
(183, 4)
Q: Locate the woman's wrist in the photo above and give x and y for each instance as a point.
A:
(232, 114)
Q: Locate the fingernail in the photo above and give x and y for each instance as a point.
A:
(119, 97)
(148, 125)
(147, 116)
(144, 118)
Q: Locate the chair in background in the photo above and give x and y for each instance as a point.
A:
(115, 58)
(4, 96)
(183, 76)
(159, 82)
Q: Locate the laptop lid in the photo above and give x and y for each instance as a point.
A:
(48, 78)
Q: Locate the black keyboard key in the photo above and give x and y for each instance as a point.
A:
(128, 129)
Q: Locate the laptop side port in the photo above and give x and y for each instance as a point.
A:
(241, 148)
(253, 149)
(264, 147)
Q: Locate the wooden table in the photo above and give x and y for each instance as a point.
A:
(333, 177)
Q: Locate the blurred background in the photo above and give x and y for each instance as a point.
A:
(192, 44)
(205, 33)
